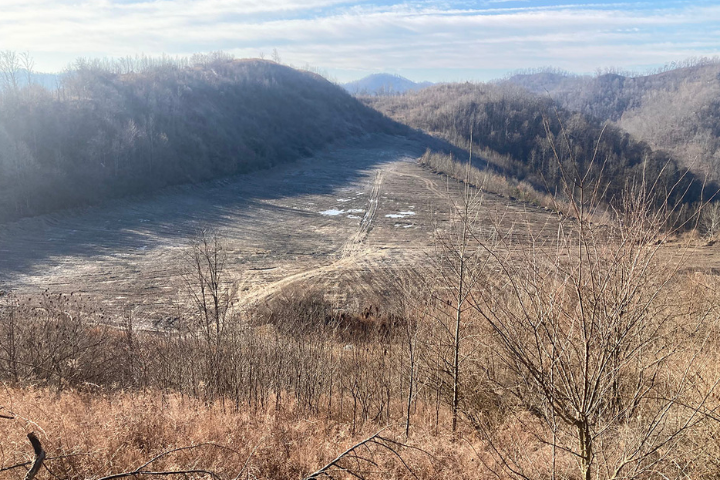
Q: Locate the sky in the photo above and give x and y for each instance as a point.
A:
(452, 40)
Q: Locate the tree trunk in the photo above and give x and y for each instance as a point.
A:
(586, 454)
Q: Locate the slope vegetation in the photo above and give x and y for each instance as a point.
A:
(104, 134)
(676, 110)
(516, 131)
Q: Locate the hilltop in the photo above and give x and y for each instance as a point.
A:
(383, 84)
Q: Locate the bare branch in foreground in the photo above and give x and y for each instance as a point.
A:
(141, 470)
(353, 463)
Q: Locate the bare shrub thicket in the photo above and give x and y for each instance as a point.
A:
(602, 360)
(57, 340)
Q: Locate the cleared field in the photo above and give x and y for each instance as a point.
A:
(345, 221)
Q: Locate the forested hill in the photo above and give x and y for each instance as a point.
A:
(677, 109)
(509, 128)
(106, 134)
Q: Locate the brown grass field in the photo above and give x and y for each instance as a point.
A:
(104, 434)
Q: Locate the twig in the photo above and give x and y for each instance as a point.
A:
(140, 470)
(135, 473)
(351, 454)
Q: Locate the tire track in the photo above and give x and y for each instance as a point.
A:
(429, 184)
(267, 291)
(354, 243)
(349, 252)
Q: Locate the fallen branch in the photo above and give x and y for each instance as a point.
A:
(7, 416)
(136, 473)
(141, 469)
(45, 462)
(353, 456)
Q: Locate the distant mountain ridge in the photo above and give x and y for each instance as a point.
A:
(50, 81)
(383, 84)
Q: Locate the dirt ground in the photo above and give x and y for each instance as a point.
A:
(345, 221)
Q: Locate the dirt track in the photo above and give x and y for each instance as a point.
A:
(343, 221)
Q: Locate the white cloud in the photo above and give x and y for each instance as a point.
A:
(339, 35)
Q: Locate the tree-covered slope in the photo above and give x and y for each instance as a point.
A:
(517, 130)
(105, 134)
(677, 109)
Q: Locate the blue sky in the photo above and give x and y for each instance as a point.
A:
(448, 40)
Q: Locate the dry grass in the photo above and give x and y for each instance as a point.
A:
(490, 181)
(104, 434)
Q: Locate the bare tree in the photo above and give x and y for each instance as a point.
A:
(212, 296)
(276, 56)
(28, 65)
(592, 346)
(459, 261)
(10, 66)
(415, 311)
(710, 219)
(211, 293)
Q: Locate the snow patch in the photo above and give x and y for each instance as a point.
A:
(332, 212)
(400, 214)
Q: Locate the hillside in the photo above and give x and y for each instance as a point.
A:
(383, 84)
(676, 110)
(103, 134)
(356, 300)
(513, 129)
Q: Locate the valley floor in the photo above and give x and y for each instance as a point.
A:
(347, 217)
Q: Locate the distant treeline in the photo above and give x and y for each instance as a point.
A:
(135, 125)
(516, 132)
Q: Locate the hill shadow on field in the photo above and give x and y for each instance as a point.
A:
(169, 217)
